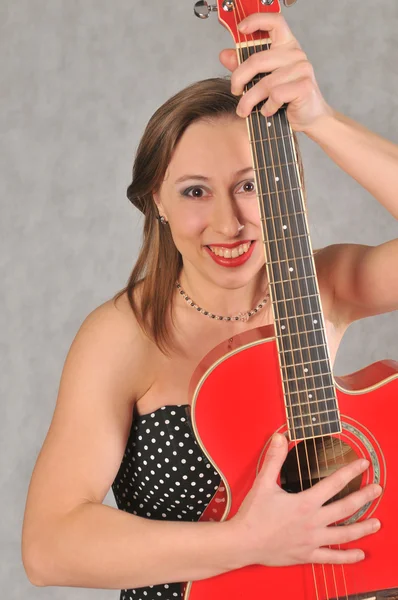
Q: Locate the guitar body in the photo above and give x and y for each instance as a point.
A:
(237, 406)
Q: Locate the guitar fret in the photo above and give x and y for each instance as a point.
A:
(317, 430)
(311, 424)
(314, 389)
(305, 364)
(309, 403)
(291, 299)
(314, 414)
(286, 334)
(293, 258)
(285, 191)
(304, 347)
(270, 139)
(304, 379)
(293, 214)
(301, 316)
(286, 238)
(276, 166)
(292, 279)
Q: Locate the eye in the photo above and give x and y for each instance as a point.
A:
(193, 188)
(249, 182)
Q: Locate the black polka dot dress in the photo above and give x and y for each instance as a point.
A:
(163, 475)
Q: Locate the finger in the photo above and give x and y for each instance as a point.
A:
(284, 85)
(341, 509)
(342, 534)
(274, 23)
(228, 58)
(336, 557)
(264, 62)
(334, 483)
(274, 458)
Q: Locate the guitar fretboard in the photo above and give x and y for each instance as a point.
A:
(307, 380)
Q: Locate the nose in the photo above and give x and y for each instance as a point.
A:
(225, 218)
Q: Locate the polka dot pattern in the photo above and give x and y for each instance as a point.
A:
(163, 475)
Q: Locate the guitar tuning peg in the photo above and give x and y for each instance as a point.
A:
(202, 9)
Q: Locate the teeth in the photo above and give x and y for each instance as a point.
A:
(231, 252)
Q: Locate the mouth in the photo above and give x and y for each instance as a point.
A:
(230, 251)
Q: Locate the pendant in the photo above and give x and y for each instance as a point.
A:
(244, 317)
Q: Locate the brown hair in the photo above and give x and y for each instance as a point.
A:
(159, 262)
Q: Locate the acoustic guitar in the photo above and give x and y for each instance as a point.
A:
(279, 378)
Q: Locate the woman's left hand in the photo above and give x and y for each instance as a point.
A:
(291, 76)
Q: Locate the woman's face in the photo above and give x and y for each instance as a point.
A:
(208, 191)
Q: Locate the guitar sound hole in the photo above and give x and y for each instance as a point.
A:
(312, 460)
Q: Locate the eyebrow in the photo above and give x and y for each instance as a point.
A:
(203, 178)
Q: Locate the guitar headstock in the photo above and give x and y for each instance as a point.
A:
(231, 12)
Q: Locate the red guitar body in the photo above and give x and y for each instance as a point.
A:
(237, 406)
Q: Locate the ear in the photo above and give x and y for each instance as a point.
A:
(158, 202)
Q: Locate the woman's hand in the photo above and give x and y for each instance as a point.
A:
(291, 79)
(277, 528)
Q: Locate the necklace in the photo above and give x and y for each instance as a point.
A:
(239, 317)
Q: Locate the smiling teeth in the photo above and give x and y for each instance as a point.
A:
(230, 252)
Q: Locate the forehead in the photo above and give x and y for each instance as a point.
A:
(211, 147)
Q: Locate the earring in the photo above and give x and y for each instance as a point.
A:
(162, 219)
(240, 228)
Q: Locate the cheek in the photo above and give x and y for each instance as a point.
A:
(251, 212)
(187, 228)
(189, 223)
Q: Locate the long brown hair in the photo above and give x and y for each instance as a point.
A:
(159, 262)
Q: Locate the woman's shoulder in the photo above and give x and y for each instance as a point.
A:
(115, 328)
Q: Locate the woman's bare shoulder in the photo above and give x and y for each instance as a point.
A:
(115, 326)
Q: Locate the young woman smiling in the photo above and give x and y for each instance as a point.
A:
(121, 417)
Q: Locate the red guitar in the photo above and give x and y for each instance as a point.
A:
(281, 377)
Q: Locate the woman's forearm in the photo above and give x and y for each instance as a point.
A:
(98, 546)
(370, 159)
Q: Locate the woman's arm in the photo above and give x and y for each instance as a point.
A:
(370, 159)
(98, 546)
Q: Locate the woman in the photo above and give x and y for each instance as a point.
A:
(193, 182)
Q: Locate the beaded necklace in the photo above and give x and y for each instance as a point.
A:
(239, 317)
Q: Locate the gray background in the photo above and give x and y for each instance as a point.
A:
(79, 80)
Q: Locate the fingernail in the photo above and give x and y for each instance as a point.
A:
(242, 26)
(361, 555)
(240, 112)
(378, 490)
(376, 526)
(364, 463)
(277, 439)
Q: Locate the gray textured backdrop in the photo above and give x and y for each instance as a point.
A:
(79, 80)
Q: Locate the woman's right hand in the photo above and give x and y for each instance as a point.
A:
(277, 528)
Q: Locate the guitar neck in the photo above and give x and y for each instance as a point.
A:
(308, 385)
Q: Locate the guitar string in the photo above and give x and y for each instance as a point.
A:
(339, 436)
(254, 150)
(325, 344)
(293, 154)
